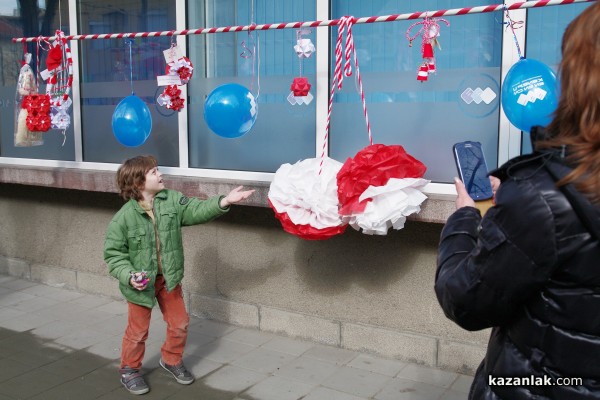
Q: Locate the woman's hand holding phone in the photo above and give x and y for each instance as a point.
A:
(464, 200)
(462, 196)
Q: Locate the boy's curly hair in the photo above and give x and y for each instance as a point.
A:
(131, 176)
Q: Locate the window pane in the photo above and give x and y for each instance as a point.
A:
(459, 102)
(282, 132)
(545, 29)
(107, 77)
(16, 22)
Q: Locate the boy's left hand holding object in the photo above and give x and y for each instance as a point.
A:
(139, 280)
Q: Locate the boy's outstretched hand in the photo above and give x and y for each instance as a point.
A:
(235, 196)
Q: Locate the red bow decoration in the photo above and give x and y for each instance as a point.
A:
(172, 91)
(373, 166)
(170, 98)
(182, 67)
(38, 112)
(177, 104)
(300, 87)
(53, 61)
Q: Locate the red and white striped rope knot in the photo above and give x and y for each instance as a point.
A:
(344, 25)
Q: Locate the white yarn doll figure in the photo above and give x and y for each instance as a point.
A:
(25, 86)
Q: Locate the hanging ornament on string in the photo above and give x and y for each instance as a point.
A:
(379, 187)
(26, 87)
(59, 80)
(131, 120)
(304, 201)
(300, 88)
(304, 195)
(230, 110)
(429, 33)
(178, 72)
(529, 90)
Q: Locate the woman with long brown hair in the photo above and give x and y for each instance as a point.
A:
(530, 269)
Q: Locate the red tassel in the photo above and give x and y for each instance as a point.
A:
(423, 73)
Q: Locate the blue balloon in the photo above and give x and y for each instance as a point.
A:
(529, 94)
(230, 110)
(131, 121)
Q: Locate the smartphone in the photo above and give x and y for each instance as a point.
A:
(473, 169)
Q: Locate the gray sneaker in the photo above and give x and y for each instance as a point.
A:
(179, 371)
(133, 381)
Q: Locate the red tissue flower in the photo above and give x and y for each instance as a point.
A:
(300, 87)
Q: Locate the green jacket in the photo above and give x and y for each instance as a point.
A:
(130, 243)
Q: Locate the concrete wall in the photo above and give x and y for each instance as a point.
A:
(373, 294)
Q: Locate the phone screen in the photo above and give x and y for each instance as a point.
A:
(473, 169)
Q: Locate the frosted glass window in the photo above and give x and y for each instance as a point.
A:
(106, 77)
(426, 118)
(34, 21)
(545, 29)
(282, 133)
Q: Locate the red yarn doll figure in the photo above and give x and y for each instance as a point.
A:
(429, 33)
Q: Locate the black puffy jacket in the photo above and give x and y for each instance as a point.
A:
(531, 270)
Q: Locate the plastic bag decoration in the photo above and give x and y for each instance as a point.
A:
(26, 86)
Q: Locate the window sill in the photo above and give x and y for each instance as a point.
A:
(436, 209)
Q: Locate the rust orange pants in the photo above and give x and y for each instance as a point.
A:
(138, 322)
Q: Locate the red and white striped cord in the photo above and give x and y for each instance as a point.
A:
(345, 24)
(50, 87)
(313, 24)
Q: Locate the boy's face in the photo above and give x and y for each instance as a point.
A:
(154, 182)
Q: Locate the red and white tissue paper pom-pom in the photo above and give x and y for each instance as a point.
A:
(379, 187)
(389, 205)
(304, 201)
(182, 67)
(170, 98)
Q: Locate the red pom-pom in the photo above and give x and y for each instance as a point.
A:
(373, 166)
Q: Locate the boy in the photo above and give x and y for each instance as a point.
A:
(143, 250)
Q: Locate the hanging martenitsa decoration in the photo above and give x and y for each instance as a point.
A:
(379, 187)
(374, 191)
(300, 87)
(429, 33)
(304, 195)
(178, 72)
(58, 76)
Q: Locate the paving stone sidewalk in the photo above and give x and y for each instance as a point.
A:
(60, 344)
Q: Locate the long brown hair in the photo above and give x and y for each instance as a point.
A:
(131, 176)
(576, 122)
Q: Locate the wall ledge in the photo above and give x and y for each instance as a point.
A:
(432, 210)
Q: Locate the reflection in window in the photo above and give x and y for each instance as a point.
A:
(459, 102)
(107, 76)
(283, 133)
(30, 21)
